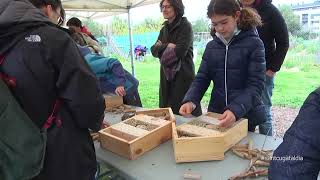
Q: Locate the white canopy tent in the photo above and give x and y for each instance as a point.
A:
(103, 8)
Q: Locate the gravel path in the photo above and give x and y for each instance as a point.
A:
(282, 119)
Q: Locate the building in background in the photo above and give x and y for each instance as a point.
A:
(309, 14)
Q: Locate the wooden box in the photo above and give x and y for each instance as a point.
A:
(135, 136)
(203, 143)
(163, 113)
(112, 101)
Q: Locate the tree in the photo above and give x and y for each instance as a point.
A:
(119, 26)
(95, 28)
(200, 25)
(148, 25)
(292, 20)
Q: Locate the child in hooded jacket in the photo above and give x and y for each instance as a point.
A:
(235, 62)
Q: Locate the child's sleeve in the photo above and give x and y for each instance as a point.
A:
(200, 84)
(117, 70)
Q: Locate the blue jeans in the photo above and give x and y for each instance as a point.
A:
(266, 128)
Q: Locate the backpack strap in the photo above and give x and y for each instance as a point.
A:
(1, 59)
(11, 82)
(53, 117)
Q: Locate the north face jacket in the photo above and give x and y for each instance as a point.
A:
(47, 66)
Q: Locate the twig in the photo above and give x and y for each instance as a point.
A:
(257, 158)
(261, 163)
(191, 176)
(265, 139)
(257, 173)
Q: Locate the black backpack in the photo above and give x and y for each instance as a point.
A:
(22, 143)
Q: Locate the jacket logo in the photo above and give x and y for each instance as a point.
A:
(33, 38)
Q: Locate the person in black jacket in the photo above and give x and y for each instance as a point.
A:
(174, 48)
(274, 34)
(234, 60)
(47, 66)
(298, 156)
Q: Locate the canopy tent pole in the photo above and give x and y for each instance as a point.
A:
(131, 42)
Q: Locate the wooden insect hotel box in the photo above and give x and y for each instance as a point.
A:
(163, 113)
(112, 101)
(202, 139)
(133, 137)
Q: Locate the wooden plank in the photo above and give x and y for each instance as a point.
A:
(123, 135)
(150, 120)
(108, 131)
(113, 143)
(112, 100)
(192, 176)
(198, 149)
(236, 133)
(174, 131)
(209, 145)
(156, 137)
(209, 120)
(197, 131)
(131, 130)
(195, 149)
(132, 142)
(163, 113)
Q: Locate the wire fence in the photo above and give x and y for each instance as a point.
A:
(304, 47)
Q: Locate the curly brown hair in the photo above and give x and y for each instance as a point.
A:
(249, 18)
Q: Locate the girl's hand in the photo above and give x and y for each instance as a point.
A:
(227, 119)
(158, 43)
(270, 73)
(186, 109)
(104, 125)
(171, 45)
(120, 91)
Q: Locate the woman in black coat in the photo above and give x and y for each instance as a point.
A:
(274, 34)
(234, 60)
(174, 48)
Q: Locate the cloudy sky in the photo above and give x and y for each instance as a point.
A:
(194, 9)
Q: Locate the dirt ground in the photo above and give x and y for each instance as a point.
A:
(282, 119)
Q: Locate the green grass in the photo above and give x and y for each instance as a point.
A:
(148, 74)
(292, 84)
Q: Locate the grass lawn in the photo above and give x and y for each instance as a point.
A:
(292, 83)
(292, 86)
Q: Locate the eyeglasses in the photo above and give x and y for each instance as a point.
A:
(210, 26)
(166, 7)
(60, 21)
